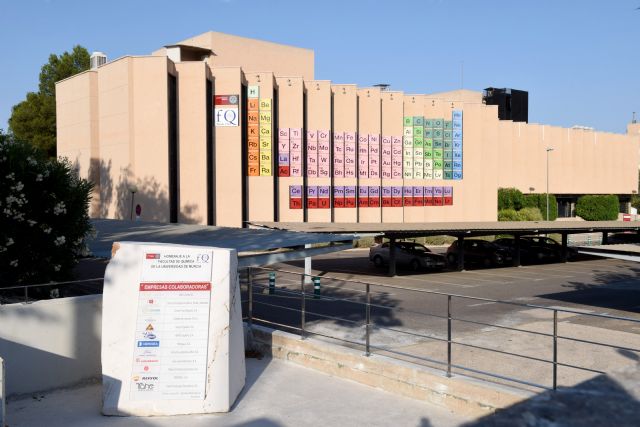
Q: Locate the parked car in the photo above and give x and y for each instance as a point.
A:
(625, 237)
(550, 244)
(528, 252)
(409, 254)
(479, 252)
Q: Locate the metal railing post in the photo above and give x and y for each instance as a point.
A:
(555, 349)
(367, 348)
(26, 295)
(250, 291)
(302, 306)
(449, 336)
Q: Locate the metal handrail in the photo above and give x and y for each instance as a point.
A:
(449, 317)
(385, 285)
(48, 284)
(39, 285)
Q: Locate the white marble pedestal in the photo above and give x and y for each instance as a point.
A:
(172, 338)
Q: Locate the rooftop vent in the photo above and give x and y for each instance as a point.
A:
(97, 59)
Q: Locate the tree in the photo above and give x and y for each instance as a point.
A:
(43, 215)
(34, 119)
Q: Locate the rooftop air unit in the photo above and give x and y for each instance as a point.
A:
(512, 104)
(97, 59)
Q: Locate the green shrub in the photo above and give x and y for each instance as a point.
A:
(540, 201)
(509, 198)
(43, 215)
(530, 214)
(598, 207)
(508, 215)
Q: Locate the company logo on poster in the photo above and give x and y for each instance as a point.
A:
(225, 112)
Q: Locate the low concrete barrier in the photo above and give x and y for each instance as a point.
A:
(51, 343)
(461, 394)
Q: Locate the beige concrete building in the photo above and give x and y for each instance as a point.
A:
(221, 130)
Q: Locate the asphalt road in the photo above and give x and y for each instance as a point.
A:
(593, 285)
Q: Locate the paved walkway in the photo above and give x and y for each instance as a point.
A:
(277, 394)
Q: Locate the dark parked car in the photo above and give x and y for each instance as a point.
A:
(410, 254)
(621, 238)
(550, 244)
(479, 252)
(528, 252)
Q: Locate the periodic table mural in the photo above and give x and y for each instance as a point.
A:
(259, 134)
(430, 148)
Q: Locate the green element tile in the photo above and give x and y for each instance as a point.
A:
(448, 164)
(428, 142)
(447, 134)
(448, 124)
(437, 164)
(447, 155)
(448, 175)
(438, 123)
(428, 133)
(438, 133)
(418, 121)
(408, 121)
(437, 153)
(447, 145)
(428, 123)
(418, 131)
(418, 141)
(428, 154)
(438, 143)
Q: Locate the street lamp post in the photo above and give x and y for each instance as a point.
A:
(548, 150)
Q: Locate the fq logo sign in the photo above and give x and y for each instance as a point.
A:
(225, 111)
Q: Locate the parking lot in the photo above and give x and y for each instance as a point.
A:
(588, 285)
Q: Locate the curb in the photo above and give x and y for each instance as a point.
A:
(461, 394)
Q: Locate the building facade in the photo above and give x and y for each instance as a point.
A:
(224, 130)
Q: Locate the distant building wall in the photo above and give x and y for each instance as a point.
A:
(307, 150)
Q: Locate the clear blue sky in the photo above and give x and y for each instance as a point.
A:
(579, 59)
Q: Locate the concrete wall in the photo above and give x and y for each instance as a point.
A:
(50, 344)
(253, 55)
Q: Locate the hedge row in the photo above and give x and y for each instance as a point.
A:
(513, 199)
(598, 208)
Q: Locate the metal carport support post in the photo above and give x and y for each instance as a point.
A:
(563, 254)
(605, 237)
(516, 255)
(392, 257)
(460, 253)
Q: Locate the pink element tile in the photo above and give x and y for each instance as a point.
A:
(283, 146)
(296, 146)
(323, 136)
(312, 135)
(295, 133)
(350, 137)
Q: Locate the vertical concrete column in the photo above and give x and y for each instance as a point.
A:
(605, 237)
(516, 255)
(460, 253)
(392, 257)
(563, 255)
(307, 267)
(2, 396)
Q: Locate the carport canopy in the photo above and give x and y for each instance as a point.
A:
(255, 247)
(460, 230)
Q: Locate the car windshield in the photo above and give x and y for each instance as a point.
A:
(418, 248)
